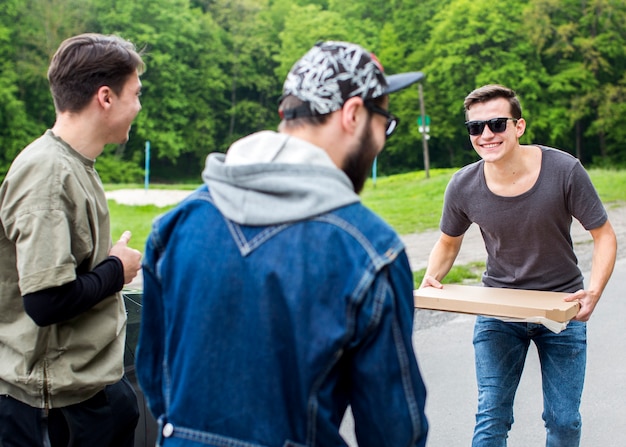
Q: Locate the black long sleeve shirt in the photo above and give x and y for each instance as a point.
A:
(65, 302)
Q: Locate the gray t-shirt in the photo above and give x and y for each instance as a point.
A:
(527, 237)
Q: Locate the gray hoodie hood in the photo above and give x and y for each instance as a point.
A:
(271, 178)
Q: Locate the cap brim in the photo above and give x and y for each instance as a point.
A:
(402, 80)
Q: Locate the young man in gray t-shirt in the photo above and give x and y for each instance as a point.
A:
(523, 198)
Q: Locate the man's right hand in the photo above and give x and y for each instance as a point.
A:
(430, 281)
(131, 258)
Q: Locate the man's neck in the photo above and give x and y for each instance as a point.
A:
(516, 174)
(78, 132)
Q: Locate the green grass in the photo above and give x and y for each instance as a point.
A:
(408, 202)
(180, 186)
(611, 185)
(137, 219)
(459, 274)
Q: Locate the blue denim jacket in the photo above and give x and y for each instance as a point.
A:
(263, 335)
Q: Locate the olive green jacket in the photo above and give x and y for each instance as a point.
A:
(54, 224)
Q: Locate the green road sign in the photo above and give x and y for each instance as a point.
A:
(419, 120)
(421, 126)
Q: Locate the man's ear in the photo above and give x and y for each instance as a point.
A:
(104, 96)
(352, 111)
(520, 127)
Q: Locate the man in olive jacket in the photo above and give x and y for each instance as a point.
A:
(62, 318)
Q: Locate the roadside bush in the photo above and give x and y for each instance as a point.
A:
(112, 169)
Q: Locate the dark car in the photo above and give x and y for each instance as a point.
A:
(146, 431)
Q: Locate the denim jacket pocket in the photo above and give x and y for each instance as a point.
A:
(289, 443)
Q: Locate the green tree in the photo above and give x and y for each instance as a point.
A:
(43, 25)
(251, 33)
(13, 118)
(475, 42)
(30, 31)
(183, 85)
(363, 21)
(403, 39)
(215, 70)
(582, 46)
(304, 26)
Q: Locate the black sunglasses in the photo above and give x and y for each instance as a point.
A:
(392, 121)
(496, 125)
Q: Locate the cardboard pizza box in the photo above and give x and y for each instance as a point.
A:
(497, 302)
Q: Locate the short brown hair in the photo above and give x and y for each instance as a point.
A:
(84, 63)
(291, 102)
(494, 91)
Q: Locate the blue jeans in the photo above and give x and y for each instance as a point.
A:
(500, 351)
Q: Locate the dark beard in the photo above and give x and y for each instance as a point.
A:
(358, 164)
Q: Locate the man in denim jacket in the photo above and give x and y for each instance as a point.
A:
(273, 298)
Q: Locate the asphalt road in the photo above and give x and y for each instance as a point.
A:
(446, 357)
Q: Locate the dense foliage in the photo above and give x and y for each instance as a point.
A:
(215, 70)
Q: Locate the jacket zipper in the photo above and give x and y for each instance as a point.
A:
(46, 392)
(46, 407)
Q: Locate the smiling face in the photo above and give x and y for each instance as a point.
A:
(494, 147)
(125, 108)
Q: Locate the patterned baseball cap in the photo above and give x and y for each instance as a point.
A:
(332, 72)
